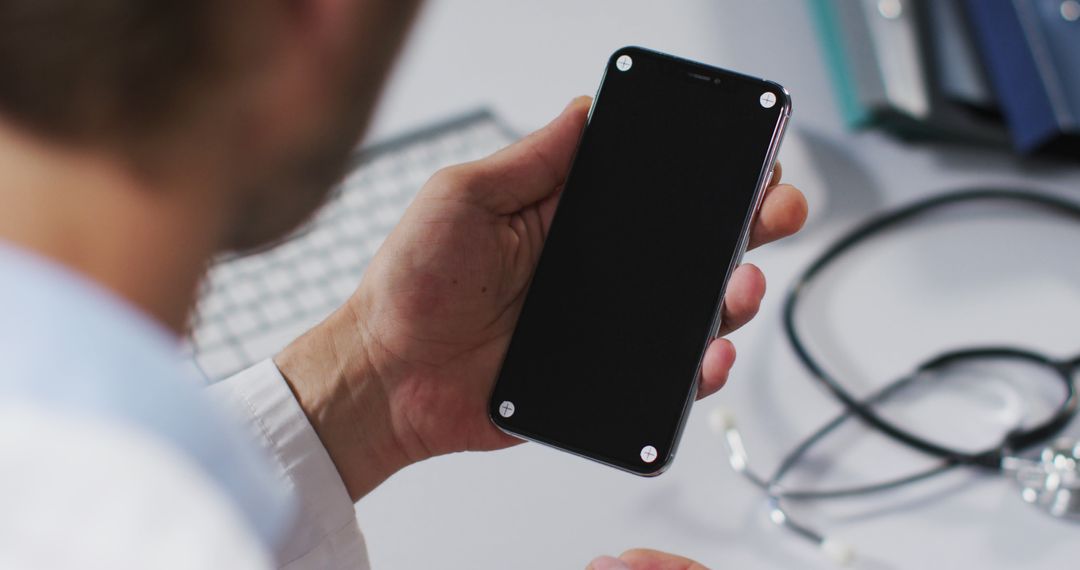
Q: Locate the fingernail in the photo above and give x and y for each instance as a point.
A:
(607, 563)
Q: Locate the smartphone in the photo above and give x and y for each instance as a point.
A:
(654, 216)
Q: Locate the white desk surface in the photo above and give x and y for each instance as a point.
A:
(995, 277)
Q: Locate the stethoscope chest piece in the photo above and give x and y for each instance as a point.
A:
(1051, 483)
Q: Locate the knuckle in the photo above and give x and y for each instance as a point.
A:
(451, 176)
(459, 177)
(460, 181)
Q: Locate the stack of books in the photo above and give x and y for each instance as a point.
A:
(996, 72)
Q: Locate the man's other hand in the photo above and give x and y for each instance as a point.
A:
(644, 559)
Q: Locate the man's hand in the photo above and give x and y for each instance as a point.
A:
(643, 559)
(404, 369)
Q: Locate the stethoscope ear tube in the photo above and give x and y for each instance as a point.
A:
(1020, 439)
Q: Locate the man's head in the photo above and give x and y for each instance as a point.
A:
(255, 102)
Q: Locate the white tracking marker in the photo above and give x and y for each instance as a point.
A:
(767, 99)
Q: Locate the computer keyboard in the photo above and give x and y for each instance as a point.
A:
(250, 307)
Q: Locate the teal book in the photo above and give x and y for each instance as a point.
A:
(827, 22)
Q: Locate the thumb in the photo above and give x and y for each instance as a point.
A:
(607, 563)
(534, 167)
(645, 559)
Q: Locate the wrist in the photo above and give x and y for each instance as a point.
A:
(335, 381)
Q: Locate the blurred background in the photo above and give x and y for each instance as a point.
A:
(982, 275)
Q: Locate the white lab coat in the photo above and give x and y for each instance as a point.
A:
(112, 457)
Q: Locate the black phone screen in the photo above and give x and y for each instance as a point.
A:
(605, 357)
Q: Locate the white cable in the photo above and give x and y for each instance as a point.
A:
(721, 420)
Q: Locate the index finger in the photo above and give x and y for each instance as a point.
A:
(783, 212)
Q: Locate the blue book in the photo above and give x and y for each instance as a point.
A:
(1031, 50)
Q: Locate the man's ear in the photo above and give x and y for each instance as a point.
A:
(319, 18)
(341, 18)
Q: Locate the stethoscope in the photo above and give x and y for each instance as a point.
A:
(1051, 481)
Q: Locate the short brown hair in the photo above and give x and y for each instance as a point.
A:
(113, 71)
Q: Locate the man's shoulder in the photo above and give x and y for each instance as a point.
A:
(73, 350)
